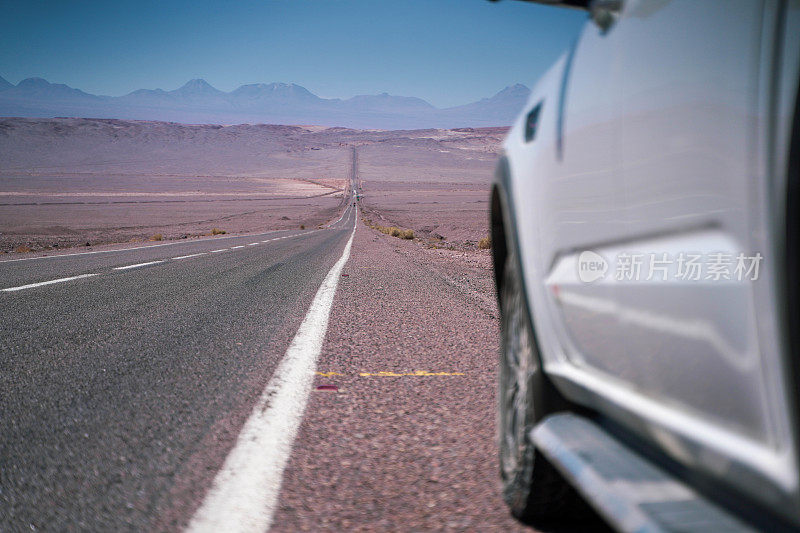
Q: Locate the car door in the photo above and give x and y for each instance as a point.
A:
(698, 342)
(570, 181)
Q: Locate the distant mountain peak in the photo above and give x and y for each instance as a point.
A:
(43, 88)
(34, 82)
(275, 89)
(517, 89)
(378, 101)
(198, 83)
(5, 84)
(197, 86)
(147, 91)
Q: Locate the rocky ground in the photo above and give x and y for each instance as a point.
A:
(400, 433)
(69, 182)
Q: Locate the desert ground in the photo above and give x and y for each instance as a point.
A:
(88, 182)
(112, 354)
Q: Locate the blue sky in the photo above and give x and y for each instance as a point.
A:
(449, 52)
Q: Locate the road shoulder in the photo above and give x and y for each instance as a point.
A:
(407, 442)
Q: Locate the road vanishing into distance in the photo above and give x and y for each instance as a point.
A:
(329, 379)
(116, 365)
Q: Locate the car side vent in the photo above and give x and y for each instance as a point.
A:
(532, 122)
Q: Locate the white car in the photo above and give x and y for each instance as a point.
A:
(646, 226)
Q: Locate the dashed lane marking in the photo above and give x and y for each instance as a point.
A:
(117, 250)
(42, 283)
(137, 265)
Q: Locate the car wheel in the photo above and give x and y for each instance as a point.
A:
(532, 488)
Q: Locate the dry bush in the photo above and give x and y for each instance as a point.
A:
(22, 249)
(302, 226)
(157, 237)
(217, 231)
(485, 243)
(394, 231)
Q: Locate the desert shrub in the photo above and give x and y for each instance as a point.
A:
(157, 237)
(485, 243)
(22, 249)
(394, 231)
(302, 226)
(217, 231)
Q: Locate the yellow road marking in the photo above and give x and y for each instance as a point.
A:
(383, 374)
(415, 373)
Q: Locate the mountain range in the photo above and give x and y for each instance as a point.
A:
(274, 103)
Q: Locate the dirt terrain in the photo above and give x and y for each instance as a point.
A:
(438, 186)
(72, 182)
(399, 432)
(404, 444)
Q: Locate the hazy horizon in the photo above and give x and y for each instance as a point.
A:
(261, 83)
(447, 52)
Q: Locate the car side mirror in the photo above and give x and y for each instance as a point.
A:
(575, 4)
(604, 13)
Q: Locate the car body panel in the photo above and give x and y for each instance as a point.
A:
(654, 136)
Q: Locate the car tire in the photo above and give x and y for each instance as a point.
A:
(532, 488)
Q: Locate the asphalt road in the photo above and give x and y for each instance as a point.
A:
(126, 375)
(196, 385)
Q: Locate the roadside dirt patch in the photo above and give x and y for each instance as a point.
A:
(406, 443)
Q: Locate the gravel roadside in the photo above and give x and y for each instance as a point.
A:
(413, 448)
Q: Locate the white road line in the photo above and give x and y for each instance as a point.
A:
(218, 251)
(340, 218)
(42, 283)
(253, 243)
(137, 265)
(190, 255)
(136, 247)
(235, 247)
(245, 491)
